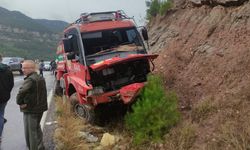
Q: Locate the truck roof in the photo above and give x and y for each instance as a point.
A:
(102, 21)
(105, 25)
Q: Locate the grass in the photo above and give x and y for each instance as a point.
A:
(181, 137)
(234, 131)
(232, 135)
(202, 110)
(235, 136)
(66, 135)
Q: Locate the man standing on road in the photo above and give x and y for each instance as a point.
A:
(53, 66)
(6, 85)
(32, 99)
(41, 67)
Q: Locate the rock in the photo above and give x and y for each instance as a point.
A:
(218, 2)
(179, 2)
(89, 137)
(107, 139)
(197, 2)
(220, 54)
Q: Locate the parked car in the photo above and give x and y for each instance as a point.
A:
(15, 63)
(47, 66)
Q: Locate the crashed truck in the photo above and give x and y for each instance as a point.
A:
(104, 60)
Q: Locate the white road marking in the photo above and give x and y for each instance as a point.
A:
(49, 98)
(17, 80)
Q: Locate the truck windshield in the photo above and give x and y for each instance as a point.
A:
(124, 39)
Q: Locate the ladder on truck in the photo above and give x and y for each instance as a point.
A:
(101, 16)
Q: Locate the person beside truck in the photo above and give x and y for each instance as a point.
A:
(32, 99)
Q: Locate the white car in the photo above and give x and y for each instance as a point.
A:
(47, 66)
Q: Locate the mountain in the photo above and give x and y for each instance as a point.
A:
(53, 25)
(30, 38)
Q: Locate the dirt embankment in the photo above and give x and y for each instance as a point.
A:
(204, 48)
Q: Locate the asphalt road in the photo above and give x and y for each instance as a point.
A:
(13, 133)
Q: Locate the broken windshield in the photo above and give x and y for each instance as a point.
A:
(123, 39)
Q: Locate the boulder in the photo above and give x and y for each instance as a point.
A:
(107, 140)
(89, 137)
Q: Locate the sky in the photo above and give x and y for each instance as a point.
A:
(70, 10)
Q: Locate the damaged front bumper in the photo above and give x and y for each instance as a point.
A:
(126, 94)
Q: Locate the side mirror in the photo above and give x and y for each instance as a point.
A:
(144, 33)
(71, 56)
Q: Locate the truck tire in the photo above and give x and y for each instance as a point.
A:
(58, 89)
(83, 111)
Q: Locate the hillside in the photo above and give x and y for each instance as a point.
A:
(53, 25)
(23, 36)
(205, 57)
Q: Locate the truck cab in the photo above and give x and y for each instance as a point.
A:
(104, 60)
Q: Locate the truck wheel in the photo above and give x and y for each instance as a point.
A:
(58, 89)
(84, 111)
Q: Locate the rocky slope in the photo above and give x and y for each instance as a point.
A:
(204, 52)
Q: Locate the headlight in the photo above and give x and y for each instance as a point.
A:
(95, 91)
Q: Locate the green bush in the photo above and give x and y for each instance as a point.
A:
(154, 113)
(158, 7)
(165, 5)
(153, 9)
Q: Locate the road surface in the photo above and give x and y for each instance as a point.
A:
(13, 133)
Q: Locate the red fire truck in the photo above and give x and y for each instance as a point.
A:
(104, 60)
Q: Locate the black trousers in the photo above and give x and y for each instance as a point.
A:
(32, 130)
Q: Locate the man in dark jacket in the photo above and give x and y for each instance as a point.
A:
(32, 99)
(6, 85)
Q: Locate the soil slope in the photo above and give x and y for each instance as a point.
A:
(204, 48)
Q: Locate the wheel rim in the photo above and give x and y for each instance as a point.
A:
(82, 111)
